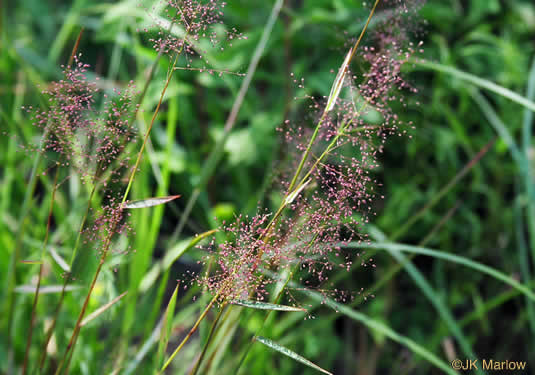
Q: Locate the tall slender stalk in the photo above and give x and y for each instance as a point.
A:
(190, 333)
(215, 155)
(50, 330)
(41, 268)
(26, 205)
(107, 242)
(290, 190)
(139, 101)
(195, 368)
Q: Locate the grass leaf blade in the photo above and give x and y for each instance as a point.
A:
(451, 258)
(266, 306)
(101, 309)
(165, 329)
(150, 202)
(385, 330)
(48, 289)
(480, 82)
(289, 353)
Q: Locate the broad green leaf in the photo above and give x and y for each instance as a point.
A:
(149, 202)
(266, 306)
(287, 352)
(101, 309)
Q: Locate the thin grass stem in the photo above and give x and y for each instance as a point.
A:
(195, 369)
(40, 275)
(73, 339)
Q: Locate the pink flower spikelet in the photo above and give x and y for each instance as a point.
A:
(88, 132)
(193, 29)
(76, 132)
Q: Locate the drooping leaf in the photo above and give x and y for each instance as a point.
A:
(289, 353)
(385, 330)
(437, 302)
(101, 310)
(266, 306)
(150, 202)
(498, 275)
(480, 82)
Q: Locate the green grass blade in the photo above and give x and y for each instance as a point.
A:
(170, 257)
(498, 125)
(451, 258)
(165, 331)
(95, 314)
(436, 301)
(266, 306)
(527, 125)
(385, 330)
(289, 353)
(150, 202)
(480, 82)
(527, 122)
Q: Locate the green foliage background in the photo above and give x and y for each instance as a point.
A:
(485, 216)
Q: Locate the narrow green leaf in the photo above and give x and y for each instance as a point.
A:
(176, 252)
(451, 258)
(339, 81)
(165, 330)
(150, 202)
(45, 289)
(480, 82)
(287, 352)
(498, 125)
(437, 303)
(170, 257)
(385, 330)
(101, 310)
(31, 261)
(265, 306)
(59, 260)
(529, 183)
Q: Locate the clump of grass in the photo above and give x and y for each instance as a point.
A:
(326, 194)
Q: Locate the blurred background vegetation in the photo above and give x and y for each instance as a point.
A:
(441, 190)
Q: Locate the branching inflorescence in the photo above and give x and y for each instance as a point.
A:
(327, 195)
(330, 197)
(82, 127)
